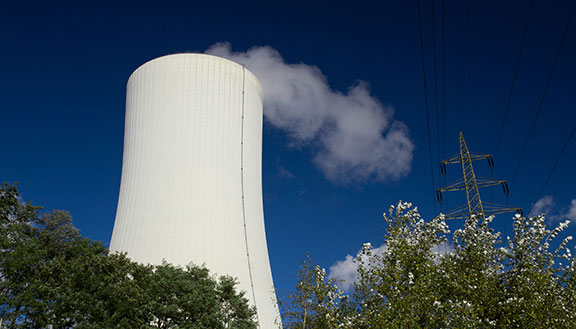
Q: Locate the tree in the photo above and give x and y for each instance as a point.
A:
(317, 301)
(477, 282)
(52, 276)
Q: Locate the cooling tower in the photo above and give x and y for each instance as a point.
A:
(191, 187)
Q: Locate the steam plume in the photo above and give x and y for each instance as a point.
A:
(354, 136)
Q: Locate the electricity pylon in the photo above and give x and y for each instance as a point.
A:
(471, 183)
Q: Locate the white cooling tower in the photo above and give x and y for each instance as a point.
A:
(191, 186)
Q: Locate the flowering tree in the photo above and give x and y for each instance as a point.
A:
(477, 282)
(317, 301)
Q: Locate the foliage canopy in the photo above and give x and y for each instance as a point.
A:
(478, 281)
(50, 276)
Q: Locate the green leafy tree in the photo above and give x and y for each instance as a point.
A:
(317, 301)
(53, 277)
(188, 299)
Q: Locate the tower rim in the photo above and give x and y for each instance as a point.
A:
(191, 55)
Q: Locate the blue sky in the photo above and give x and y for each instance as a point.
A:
(64, 66)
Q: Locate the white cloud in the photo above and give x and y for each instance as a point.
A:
(571, 213)
(284, 173)
(443, 248)
(542, 206)
(347, 270)
(354, 136)
(344, 270)
(547, 206)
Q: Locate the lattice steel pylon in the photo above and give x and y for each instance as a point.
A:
(471, 183)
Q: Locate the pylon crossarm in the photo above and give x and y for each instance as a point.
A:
(453, 159)
(494, 209)
(491, 204)
(482, 178)
(457, 185)
(503, 211)
(452, 214)
(486, 182)
(478, 156)
(461, 215)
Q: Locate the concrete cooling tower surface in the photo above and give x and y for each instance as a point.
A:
(191, 189)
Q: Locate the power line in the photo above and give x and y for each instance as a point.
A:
(444, 76)
(556, 163)
(465, 62)
(444, 84)
(426, 100)
(543, 95)
(514, 78)
(436, 84)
